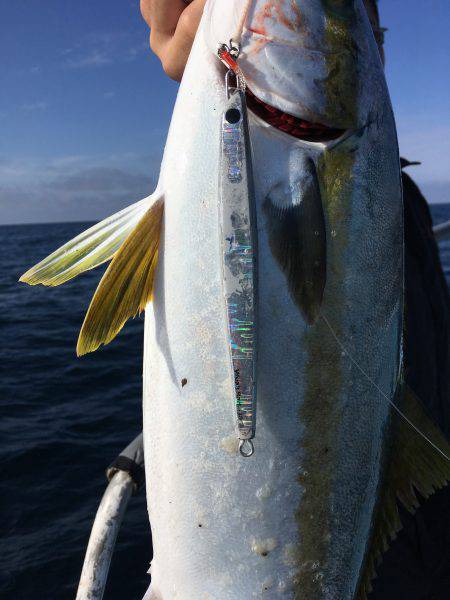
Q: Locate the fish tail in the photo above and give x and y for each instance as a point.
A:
(419, 463)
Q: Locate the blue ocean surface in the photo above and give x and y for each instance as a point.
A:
(63, 420)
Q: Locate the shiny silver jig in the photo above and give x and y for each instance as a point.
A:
(239, 249)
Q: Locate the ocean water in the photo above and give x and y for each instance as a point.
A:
(63, 420)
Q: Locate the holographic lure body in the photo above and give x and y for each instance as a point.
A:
(238, 237)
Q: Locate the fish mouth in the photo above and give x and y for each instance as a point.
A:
(293, 126)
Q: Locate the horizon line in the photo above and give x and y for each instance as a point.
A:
(94, 221)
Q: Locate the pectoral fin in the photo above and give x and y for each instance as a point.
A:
(414, 465)
(297, 238)
(126, 287)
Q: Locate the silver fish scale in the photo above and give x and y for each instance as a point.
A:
(238, 238)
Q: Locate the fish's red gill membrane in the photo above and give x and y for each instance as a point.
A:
(298, 128)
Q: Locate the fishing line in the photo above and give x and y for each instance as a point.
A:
(240, 27)
(399, 411)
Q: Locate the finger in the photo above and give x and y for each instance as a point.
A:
(162, 15)
(187, 26)
(176, 52)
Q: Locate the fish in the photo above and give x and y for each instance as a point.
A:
(340, 440)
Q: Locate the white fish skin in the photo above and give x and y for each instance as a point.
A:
(294, 520)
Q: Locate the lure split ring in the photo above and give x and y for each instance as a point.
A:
(246, 448)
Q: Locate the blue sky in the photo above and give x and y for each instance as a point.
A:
(84, 106)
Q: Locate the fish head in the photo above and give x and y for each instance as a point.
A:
(316, 60)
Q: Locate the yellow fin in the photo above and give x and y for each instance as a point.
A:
(413, 464)
(126, 287)
(88, 250)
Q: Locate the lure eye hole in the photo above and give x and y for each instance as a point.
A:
(233, 116)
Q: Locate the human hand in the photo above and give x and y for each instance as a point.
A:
(173, 25)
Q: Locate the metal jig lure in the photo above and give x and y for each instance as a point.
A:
(239, 246)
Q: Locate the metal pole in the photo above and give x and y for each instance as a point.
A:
(442, 230)
(103, 537)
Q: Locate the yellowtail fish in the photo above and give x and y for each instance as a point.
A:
(339, 440)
